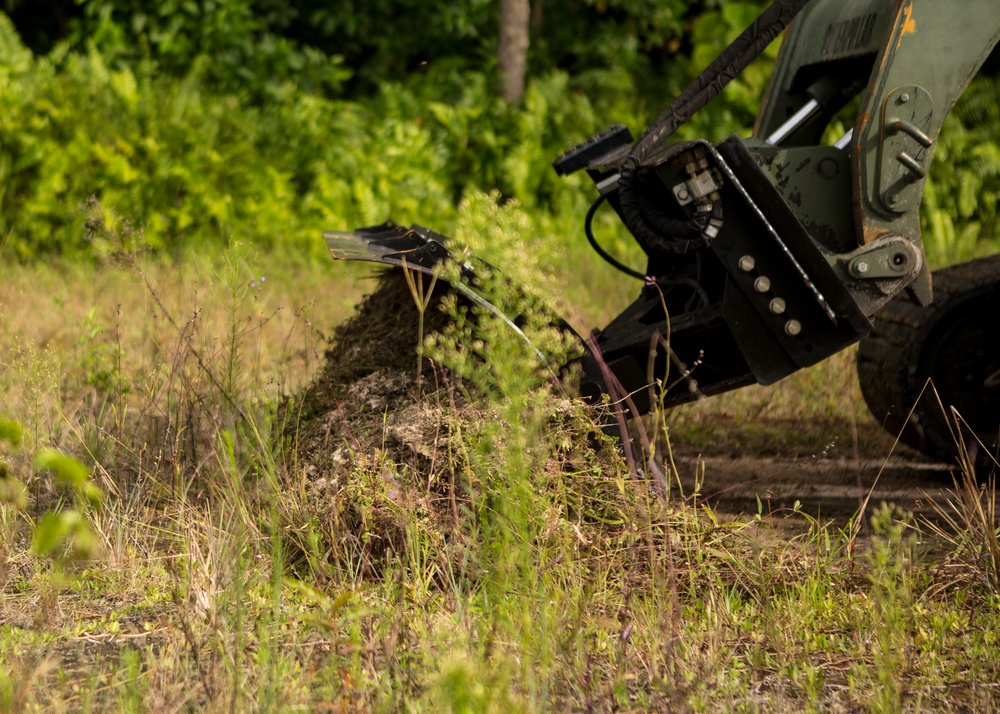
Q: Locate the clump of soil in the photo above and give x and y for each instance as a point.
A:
(376, 453)
(367, 398)
(370, 438)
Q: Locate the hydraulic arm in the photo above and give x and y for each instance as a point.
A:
(771, 253)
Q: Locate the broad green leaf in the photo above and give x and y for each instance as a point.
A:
(93, 493)
(66, 469)
(13, 491)
(53, 529)
(11, 432)
(84, 543)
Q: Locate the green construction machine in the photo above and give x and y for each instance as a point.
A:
(772, 252)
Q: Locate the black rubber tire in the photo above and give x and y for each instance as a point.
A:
(955, 344)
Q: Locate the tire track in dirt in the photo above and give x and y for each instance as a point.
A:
(826, 488)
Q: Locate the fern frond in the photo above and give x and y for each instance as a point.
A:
(13, 53)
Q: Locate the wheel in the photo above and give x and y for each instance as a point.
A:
(955, 345)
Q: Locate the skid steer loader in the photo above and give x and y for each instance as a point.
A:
(771, 253)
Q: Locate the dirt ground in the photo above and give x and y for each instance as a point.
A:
(831, 469)
(826, 488)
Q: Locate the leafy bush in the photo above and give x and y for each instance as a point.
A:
(261, 45)
(190, 166)
(182, 163)
(232, 39)
(960, 219)
(86, 138)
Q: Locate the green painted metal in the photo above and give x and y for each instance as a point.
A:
(829, 36)
(911, 61)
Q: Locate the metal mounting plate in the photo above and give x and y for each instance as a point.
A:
(903, 155)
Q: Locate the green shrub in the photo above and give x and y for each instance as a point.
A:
(84, 142)
(234, 40)
(959, 217)
(85, 138)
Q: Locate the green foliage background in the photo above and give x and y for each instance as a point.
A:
(202, 121)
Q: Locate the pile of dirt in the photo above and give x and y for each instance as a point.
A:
(368, 396)
(379, 450)
(370, 438)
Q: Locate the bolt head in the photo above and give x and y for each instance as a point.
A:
(793, 328)
(904, 98)
(747, 263)
(762, 284)
(861, 267)
(777, 306)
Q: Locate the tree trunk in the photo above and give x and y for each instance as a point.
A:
(512, 52)
(536, 22)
